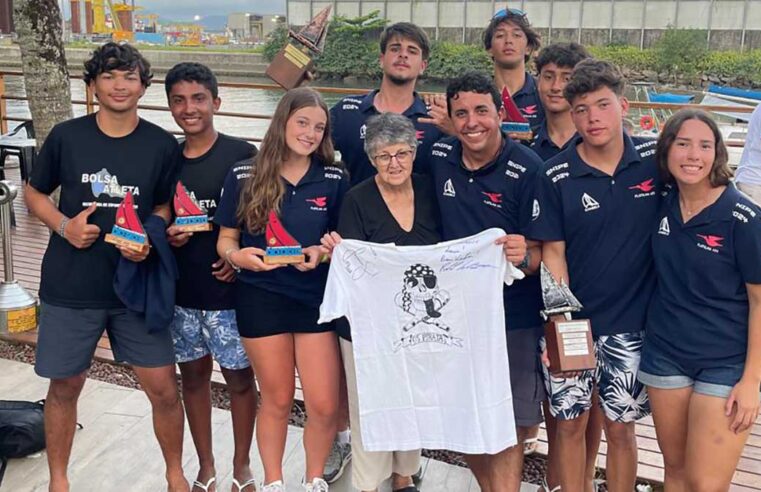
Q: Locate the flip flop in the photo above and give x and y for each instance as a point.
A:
(241, 486)
(530, 446)
(204, 487)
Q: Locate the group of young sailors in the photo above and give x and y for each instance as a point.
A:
(651, 236)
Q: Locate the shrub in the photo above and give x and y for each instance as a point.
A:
(680, 51)
(275, 41)
(448, 60)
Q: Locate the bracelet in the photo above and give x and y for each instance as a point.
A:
(325, 258)
(526, 261)
(228, 252)
(62, 227)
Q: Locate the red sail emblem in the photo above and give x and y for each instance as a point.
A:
(275, 233)
(126, 217)
(184, 205)
(513, 114)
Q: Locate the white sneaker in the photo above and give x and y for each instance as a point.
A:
(317, 485)
(276, 486)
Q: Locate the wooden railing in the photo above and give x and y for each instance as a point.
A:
(90, 103)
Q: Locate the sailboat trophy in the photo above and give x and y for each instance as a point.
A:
(128, 232)
(291, 64)
(189, 215)
(569, 341)
(514, 123)
(282, 248)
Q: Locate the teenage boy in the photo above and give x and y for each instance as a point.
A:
(484, 179)
(96, 159)
(404, 50)
(596, 202)
(204, 324)
(510, 40)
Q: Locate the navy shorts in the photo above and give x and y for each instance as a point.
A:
(526, 379)
(660, 370)
(68, 337)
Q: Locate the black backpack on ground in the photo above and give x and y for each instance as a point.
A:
(22, 430)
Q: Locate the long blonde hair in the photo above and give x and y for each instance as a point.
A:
(263, 190)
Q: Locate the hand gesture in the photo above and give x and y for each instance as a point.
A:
(177, 237)
(78, 232)
(743, 401)
(251, 259)
(438, 113)
(223, 271)
(312, 257)
(514, 246)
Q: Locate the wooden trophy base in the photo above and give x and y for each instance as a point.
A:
(290, 65)
(204, 227)
(126, 243)
(283, 259)
(569, 345)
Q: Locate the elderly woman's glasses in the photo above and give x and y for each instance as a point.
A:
(402, 157)
(509, 13)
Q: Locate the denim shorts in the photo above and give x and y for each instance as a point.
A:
(660, 370)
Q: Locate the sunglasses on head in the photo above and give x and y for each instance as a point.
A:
(509, 13)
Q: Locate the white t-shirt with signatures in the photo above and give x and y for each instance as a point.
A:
(428, 332)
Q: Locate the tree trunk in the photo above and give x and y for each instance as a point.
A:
(46, 76)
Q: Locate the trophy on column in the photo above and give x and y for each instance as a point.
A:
(514, 123)
(282, 248)
(569, 341)
(291, 64)
(128, 232)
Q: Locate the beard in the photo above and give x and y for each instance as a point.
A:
(399, 80)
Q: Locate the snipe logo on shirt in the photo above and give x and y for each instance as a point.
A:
(449, 188)
(494, 199)
(362, 131)
(589, 203)
(664, 229)
(319, 203)
(535, 210)
(710, 242)
(646, 188)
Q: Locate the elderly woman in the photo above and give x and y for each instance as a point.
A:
(398, 207)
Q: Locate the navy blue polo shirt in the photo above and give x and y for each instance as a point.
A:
(309, 210)
(348, 118)
(499, 194)
(543, 145)
(605, 222)
(699, 312)
(529, 104)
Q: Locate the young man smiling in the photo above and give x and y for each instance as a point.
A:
(596, 202)
(96, 159)
(204, 323)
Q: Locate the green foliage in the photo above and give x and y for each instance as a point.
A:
(626, 56)
(275, 41)
(448, 60)
(745, 67)
(680, 50)
(351, 47)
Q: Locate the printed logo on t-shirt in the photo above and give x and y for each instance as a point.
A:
(663, 228)
(710, 242)
(419, 134)
(105, 183)
(422, 299)
(449, 188)
(589, 203)
(362, 131)
(493, 199)
(646, 188)
(319, 203)
(535, 210)
(529, 110)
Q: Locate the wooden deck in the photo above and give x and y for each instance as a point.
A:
(30, 239)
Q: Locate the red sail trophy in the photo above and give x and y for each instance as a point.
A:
(282, 248)
(514, 123)
(189, 215)
(291, 64)
(128, 232)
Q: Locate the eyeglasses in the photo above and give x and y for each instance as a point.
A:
(402, 157)
(509, 13)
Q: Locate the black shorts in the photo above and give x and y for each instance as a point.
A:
(261, 313)
(526, 379)
(68, 337)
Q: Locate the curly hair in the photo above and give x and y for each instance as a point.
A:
(121, 56)
(472, 82)
(590, 75)
(566, 55)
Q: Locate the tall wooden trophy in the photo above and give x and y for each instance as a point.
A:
(514, 123)
(569, 341)
(291, 64)
(128, 231)
(189, 215)
(282, 248)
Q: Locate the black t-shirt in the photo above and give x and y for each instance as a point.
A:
(90, 166)
(203, 177)
(365, 216)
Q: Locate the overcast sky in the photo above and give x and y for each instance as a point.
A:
(186, 9)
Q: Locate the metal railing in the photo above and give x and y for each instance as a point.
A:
(90, 103)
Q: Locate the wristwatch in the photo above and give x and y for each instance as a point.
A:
(526, 261)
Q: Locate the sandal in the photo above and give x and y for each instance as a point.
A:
(247, 483)
(530, 446)
(546, 488)
(204, 487)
